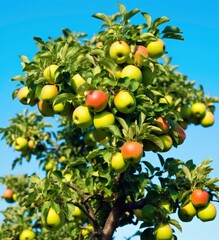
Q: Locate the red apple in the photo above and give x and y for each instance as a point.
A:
(8, 195)
(199, 198)
(140, 54)
(163, 124)
(132, 151)
(96, 100)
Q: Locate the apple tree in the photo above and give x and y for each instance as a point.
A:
(115, 98)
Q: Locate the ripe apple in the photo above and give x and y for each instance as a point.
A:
(168, 99)
(187, 212)
(208, 119)
(45, 108)
(198, 110)
(119, 51)
(140, 54)
(49, 73)
(132, 151)
(125, 102)
(48, 93)
(8, 195)
(117, 163)
(96, 100)
(77, 212)
(181, 134)
(63, 108)
(199, 198)
(103, 119)
(163, 231)
(185, 111)
(166, 205)
(53, 220)
(82, 117)
(22, 95)
(147, 76)
(62, 159)
(167, 142)
(207, 213)
(77, 82)
(156, 49)
(27, 234)
(163, 124)
(133, 72)
(20, 144)
(31, 144)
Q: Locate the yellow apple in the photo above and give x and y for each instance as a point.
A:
(133, 72)
(187, 212)
(78, 84)
(103, 119)
(207, 213)
(119, 51)
(20, 144)
(156, 49)
(208, 119)
(27, 234)
(163, 232)
(198, 110)
(167, 142)
(22, 95)
(117, 163)
(49, 73)
(82, 117)
(49, 92)
(125, 102)
(45, 108)
(168, 99)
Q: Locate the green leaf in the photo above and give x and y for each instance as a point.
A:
(176, 224)
(103, 17)
(148, 18)
(63, 97)
(122, 9)
(19, 78)
(187, 172)
(157, 22)
(130, 14)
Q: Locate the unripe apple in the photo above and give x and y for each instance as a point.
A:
(96, 100)
(163, 231)
(45, 108)
(187, 212)
(148, 212)
(147, 76)
(207, 213)
(53, 220)
(198, 110)
(156, 49)
(8, 195)
(117, 163)
(49, 73)
(208, 119)
(78, 84)
(167, 142)
(119, 51)
(132, 152)
(133, 72)
(185, 111)
(20, 144)
(125, 102)
(199, 198)
(140, 54)
(82, 117)
(48, 93)
(103, 119)
(27, 234)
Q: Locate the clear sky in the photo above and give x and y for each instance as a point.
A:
(197, 57)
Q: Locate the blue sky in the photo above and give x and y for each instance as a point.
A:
(197, 57)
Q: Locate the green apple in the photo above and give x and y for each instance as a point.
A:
(140, 54)
(22, 95)
(50, 164)
(148, 212)
(45, 108)
(147, 76)
(78, 84)
(8, 195)
(119, 51)
(117, 163)
(49, 73)
(96, 100)
(185, 111)
(167, 142)
(132, 152)
(103, 119)
(156, 49)
(198, 110)
(133, 72)
(27, 234)
(48, 93)
(53, 220)
(20, 144)
(208, 119)
(207, 213)
(63, 108)
(187, 212)
(85, 231)
(125, 102)
(82, 117)
(163, 231)
(101, 134)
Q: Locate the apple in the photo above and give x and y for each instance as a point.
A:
(125, 102)
(163, 124)
(119, 51)
(63, 108)
(163, 231)
(77, 82)
(8, 195)
(132, 151)
(208, 119)
(22, 95)
(168, 99)
(185, 111)
(207, 213)
(198, 110)
(20, 144)
(45, 108)
(148, 212)
(101, 134)
(77, 212)
(138, 214)
(48, 93)
(117, 163)
(147, 76)
(50, 164)
(96, 100)
(31, 144)
(181, 134)
(199, 198)
(167, 142)
(166, 205)
(156, 49)
(187, 212)
(103, 119)
(87, 230)
(140, 54)
(53, 220)
(49, 73)
(133, 72)
(62, 159)
(68, 176)
(82, 117)
(27, 234)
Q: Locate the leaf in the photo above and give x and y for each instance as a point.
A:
(176, 224)
(130, 14)
(63, 97)
(171, 29)
(147, 18)
(161, 159)
(122, 9)
(103, 17)
(123, 123)
(19, 78)
(157, 22)
(187, 172)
